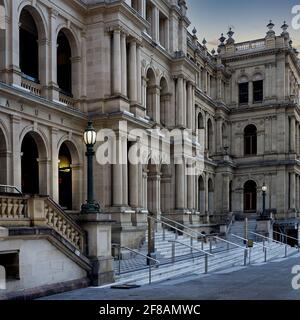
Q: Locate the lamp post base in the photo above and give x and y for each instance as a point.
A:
(90, 208)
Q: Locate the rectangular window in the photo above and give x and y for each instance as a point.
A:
(244, 92)
(258, 91)
(10, 261)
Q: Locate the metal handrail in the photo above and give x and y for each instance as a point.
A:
(256, 243)
(11, 187)
(191, 247)
(206, 254)
(157, 263)
(285, 235)
(214, 237)
(257, 234)
(182, 225)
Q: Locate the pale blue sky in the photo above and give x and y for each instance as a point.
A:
(248, 18)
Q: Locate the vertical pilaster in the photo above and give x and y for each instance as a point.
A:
(124, 64)
(133, 72)
(116, 61)
(16, 152)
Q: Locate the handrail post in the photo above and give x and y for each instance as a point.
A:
(245, 257)
(192, 250)
(119, 254)
(264, 242)
(206, 264)
(150, 278)
(210, 245)
(285, 250)
(228, 246)
(202, 244)
(265, 254)
(176, 234)
(173, 252)
(250, 256)
(164, 233)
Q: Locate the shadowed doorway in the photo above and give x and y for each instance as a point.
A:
(65, 177)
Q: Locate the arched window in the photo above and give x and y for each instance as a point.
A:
(163, 101)
(29, 49)
(250, 140)
(150, 93)
(200, 121)
(210, 134)
(64, 64)
(243, 90)
(250, 196)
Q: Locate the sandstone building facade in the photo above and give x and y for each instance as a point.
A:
(64, 62)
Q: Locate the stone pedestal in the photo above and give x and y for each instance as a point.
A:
(98, 228)
(265, 227)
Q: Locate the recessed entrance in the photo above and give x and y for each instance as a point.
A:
(250, 197)
(65, 177)
(29, 165)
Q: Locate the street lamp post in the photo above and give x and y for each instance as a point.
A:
(89, 137)
(264, 191)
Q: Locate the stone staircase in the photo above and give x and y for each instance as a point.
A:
(136, 272)
(238, 228)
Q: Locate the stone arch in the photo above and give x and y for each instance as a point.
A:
(211, 191)
(250, 196)
(243, 79)
(32, 39)
(257, 76)
(4, 158)
(151, 89)
(69, 174)
(68, 62)
(34, 163)
(250, 140)
(201, 195)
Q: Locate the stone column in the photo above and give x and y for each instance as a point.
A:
(133, 72)
(184, 106)
(143, 8)
(292, 134)
(155, 24)
(124, 64)
(116, 62)
(55, 165)
(117, 178)
(225, 192)
(180, 186)
(139, 73)
(292, 190)
(180, 103)
(53, 86)
(190, 106)
(16, 152)
(191, 193)
(250, 92)
(134, 186)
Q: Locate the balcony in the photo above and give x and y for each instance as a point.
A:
(66, 99)
(31, 85)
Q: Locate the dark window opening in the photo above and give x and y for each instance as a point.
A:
(30, 166)
(29, 50)
(258, 91)
(244, 92)
(250, 140)
(250, 197)
(10, 262)
(64, 64)
(65, 177)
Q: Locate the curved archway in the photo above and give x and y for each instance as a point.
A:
(64, 63)
(3, 159)
(250, 140)
(69, 176)
(150, 94)
(250, 196)
(34, 164)
(210, 136)
(28, 45)
(211, 191)
(163, 101)
(201, 195)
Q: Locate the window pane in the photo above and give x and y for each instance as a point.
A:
(258, 91)
(244, 92)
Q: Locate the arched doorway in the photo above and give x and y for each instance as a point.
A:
(65, 177)
(29, 49)
(210, 196)
(3, 160)
(201, 195)
(64, 64)
(250, 196)
(30, 165)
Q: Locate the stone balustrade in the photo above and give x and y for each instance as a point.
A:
(22, 211)
(68, 101)
(33, 87)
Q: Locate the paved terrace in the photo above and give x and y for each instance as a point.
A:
(272, 281)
